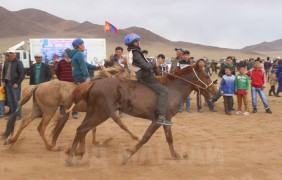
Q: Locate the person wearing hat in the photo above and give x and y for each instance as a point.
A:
(145, 74)
(39, 71)
(79, 66)
(179, 57)
(12, 77)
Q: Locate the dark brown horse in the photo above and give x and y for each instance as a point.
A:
(214, 67)
(136, 99)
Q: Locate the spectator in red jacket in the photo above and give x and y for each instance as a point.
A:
(258, 77)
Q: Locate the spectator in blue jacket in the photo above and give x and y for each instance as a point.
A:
(227, 89)
(79, 66)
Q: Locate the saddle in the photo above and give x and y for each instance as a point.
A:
(162, 80)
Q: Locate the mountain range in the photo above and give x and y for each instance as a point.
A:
(33, 23)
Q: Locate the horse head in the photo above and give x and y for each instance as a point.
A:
(208, 89)
(199, 79)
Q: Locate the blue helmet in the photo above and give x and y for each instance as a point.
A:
(77, 42)
(130, 38)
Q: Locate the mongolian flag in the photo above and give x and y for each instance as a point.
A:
(110, 28)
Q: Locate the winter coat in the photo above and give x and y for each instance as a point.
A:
(242, 82)
(79, 66)
(258, 77)
(272, 79)
(16, 71)
(45, 74)
(146, 71)
(227, 85)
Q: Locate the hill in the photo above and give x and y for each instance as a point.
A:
(265, 46)
(32, 23)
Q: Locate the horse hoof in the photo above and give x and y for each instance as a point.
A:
(68, 162)
(125, 159)
(107, 141)
(67, 151)
(185, 156)
(95, 143)
(77, 162)
(56, 149)
(6, 142)
(49, 147)
(68, 158)
(177, 156)
(103, 144)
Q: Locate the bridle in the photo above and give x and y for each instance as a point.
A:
(196, 85)
(207, 86)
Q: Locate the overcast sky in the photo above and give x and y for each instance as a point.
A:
(222, 23)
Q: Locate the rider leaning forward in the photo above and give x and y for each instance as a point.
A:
(146, 76)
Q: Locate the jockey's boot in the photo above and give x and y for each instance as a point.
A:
(162, 120)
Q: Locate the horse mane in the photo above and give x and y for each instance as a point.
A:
(108, 72)
(81, 91)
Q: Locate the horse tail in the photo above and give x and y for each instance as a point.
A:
(79, 93)
(10, 126)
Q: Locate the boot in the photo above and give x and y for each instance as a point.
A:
(277, 94)
(211, 106)
(255, 110)
(269, 93)
(268, 111)
(163, 121)
(188, 109)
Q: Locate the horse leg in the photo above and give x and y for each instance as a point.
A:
(148, 134)
(169, 139)
(94, 142)
(25, 122)
(59, 127)
(41, 129)
(89, 122)
(117, 119)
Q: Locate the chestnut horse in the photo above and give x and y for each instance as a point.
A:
(136, 99)
(47, 97)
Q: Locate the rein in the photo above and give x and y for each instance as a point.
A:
(185, 80)
(178, 77)
(201, 80)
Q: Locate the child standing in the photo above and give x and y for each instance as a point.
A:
(272, 82)
(227, 89)
(241, 88)
(257, 75)
(2, 100)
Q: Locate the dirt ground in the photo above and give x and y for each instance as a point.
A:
(218, 146)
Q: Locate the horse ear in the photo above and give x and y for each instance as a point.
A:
(196, 67)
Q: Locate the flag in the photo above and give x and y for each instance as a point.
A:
(110, 28)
